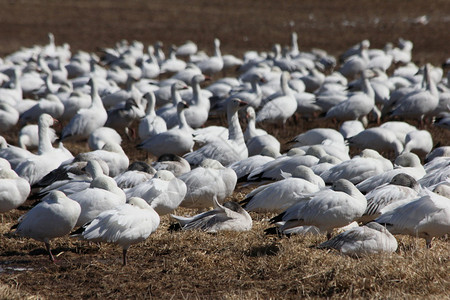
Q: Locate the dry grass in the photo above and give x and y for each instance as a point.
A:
(195, 265)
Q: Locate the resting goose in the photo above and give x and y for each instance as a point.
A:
(426, 217)
(371, 238)
(227, 217)
(280, 108)
(86, 120)
(176, 141)
(211, 180)
(224, 151)
(326, 209)
(151, 124)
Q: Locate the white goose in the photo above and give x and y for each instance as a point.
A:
(172, 64)
(102, 194)
(36, 167)
(213, 64)
(137, 173)
(371, 238)
(199, 105)
(54, 217)
(326, 209)
(15, 190)
(112, 154)
(280, 108)
(9, 117)
(225, 151)
(245, 166)
(151, 124)
(125, 225)
(356, 106)
(51, 105)
(408, 163)
(426, 217)
(227, 217)
(164, 192)
(251, 130)
(377, 138)
(420, 102)
(175, 141)
(102, 135)
(211, 180)
(29, 136)
(169, 111)
(280, 195)
(86, 120)
(402, 189)
(359, 168)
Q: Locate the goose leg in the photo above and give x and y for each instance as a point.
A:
(47, 246)
(124, 252)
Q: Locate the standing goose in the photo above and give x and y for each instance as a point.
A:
(280, 108)
(224, 151)
(87, 119)
(54, 217)
(125, 225)
(175, 141)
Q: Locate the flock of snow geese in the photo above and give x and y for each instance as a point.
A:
(316, 187)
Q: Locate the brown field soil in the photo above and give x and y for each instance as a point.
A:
(192, 265)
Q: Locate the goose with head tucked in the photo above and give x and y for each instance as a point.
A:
(427, 217)
(102, 135)
(210, 180)
(371, 238)
(102, 194)
(164, 192)
(229, 216)
(225, 151)
(14, 190)
(408, 163)
(359, 168)
(402, 189)
(55, 216)
(125, 225)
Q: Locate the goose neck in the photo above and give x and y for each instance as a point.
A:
(234, 127)
(45, 144)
